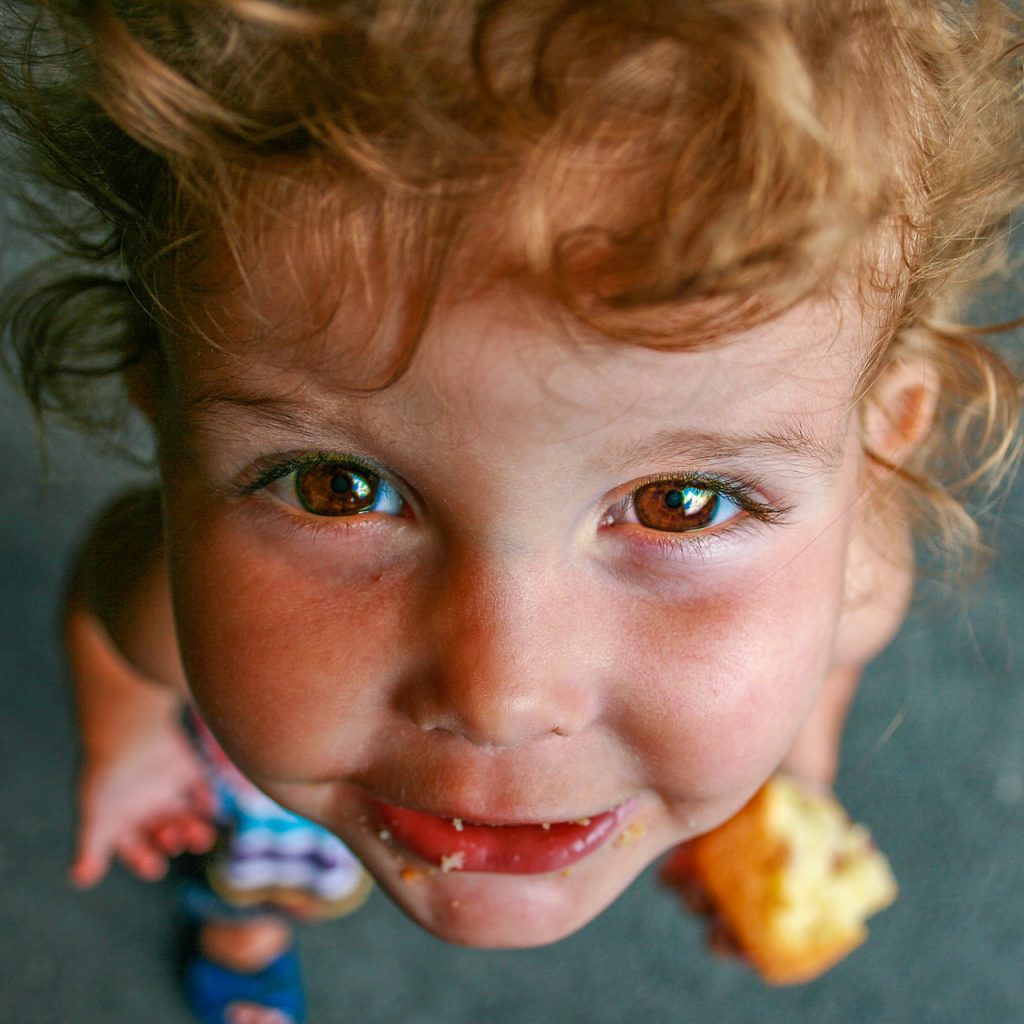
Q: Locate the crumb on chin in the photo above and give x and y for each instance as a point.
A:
(565, 873)
(630, 834)
(410, 875)
(453, 861)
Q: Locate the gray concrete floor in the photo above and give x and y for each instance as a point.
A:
(934, 762)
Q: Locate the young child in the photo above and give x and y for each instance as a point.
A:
(544, 393)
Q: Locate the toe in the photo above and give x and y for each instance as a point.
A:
(252, 1013)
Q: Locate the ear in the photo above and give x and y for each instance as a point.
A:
(896, 417)
(899, 410)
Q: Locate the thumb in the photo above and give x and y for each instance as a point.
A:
(88, 867)
(92, 855)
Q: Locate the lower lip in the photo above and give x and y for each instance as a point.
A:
(504, 849)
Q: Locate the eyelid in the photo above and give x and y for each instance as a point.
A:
(744, 493)
(391, 501)
(264, 471)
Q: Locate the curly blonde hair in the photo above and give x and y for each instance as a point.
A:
(667, 171)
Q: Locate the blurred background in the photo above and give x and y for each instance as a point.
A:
(933, 763)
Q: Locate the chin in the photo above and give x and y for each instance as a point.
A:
(498, 911)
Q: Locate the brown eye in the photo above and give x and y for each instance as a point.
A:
(675, 506)
(336, 489)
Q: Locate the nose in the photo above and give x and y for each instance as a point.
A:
(509, 659)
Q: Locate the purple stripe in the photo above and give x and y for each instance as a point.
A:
(321, 861)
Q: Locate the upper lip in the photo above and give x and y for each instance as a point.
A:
(470, 817)
(507, 791)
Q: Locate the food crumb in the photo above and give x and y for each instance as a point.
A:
(452, 861)
(546, 825)
(565, 872)
(631, 833)
(410, 875)
(582, 821)
(384, 835)
(457, 822)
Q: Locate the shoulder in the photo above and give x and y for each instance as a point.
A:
(119, 580)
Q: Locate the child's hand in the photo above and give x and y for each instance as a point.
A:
(143, 795)
(146, 803)
(679, 873)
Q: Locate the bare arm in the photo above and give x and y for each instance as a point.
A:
(878, 591)
(142, 794)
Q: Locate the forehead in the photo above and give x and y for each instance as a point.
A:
(504, 361)
(325, 315)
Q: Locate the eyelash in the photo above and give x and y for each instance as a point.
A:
(265, 471)
(736, 489)
(740, 491)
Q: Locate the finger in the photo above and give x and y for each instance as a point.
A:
(680, 872)
(679, 866)
(184, 831)
(200, 835)
(723, 941)
(170, 836)
(695, 896)
(93, 850)
(88, 866)
(141, 857)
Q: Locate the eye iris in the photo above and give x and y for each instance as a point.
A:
(334, 489)
(670, 505)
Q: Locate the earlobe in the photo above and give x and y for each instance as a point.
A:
(899, 410)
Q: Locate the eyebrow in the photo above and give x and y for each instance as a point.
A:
(796, 446)
(280, 411)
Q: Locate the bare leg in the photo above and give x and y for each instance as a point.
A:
(247, 948)
(814, 757)
(879, 585)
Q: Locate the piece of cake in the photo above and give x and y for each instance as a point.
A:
(791, 879)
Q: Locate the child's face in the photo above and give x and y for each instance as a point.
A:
(499, 638)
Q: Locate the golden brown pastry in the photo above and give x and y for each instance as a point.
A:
(791, 879)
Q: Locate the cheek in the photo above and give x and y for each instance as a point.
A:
(286, 659)
(728, 680)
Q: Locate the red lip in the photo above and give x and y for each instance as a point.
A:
(505, 849)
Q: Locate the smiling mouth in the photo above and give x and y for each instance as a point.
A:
(456, 845)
